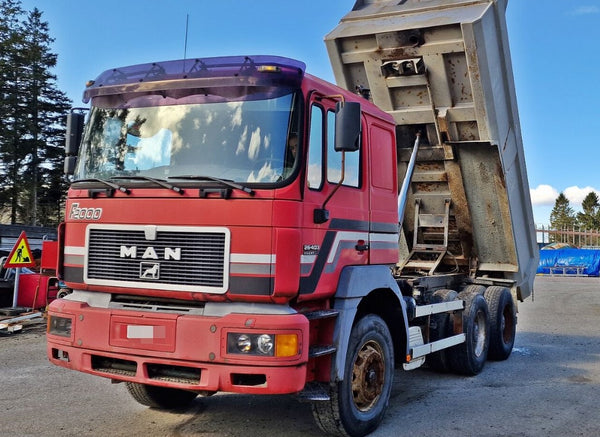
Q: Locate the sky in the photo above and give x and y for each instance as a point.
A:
(554, 46)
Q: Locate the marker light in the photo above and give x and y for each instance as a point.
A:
(286, 345)
(268, 69)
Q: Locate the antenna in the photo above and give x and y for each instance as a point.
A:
(187, 19)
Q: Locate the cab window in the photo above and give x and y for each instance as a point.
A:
(322, 139)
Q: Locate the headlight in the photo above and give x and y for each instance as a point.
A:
(250, 344)
(263, 345)
(244, 343)
(60, 326)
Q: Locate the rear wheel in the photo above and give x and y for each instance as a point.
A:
(503, 322)
(358, 402)
(163, 398)
(474, 289)
(440, 327)
(468, 358)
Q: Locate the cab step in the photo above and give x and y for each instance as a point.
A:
(319, 351)
(321, 314)
(314, 391)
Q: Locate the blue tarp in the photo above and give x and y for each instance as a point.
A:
(570, 257)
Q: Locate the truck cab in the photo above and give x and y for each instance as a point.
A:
(218, 198)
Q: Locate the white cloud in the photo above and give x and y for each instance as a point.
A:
(254, 147)
(543, 195)
(546, 194)
(236, 119)
(241, 148)
(265, 174)
(586, 10)
(576, 194)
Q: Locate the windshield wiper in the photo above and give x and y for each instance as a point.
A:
(112, 185)
(160, 182)
(226, 182)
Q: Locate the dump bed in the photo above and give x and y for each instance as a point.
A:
(443, 68)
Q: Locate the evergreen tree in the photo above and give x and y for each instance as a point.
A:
(33, 111)
(46, 108)
(562, 215)
(590, 217)
(11, 127)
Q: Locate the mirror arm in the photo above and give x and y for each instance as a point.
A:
(322, 215)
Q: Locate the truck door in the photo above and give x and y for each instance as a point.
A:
(342, 238)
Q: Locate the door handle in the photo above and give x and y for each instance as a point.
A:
(361, 246)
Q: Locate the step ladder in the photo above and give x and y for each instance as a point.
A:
(430, 240)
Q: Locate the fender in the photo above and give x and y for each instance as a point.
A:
(357, 282)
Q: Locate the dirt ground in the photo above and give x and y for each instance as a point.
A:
(548, 386)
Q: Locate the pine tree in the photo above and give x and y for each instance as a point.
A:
(33, 111)
(11, 126)
(46, 108)
(590, 217)
(562, 215)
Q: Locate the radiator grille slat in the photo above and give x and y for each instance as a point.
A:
(192, 260)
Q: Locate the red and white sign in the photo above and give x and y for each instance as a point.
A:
(21, 255)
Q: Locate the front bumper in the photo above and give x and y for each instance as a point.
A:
(174, 350)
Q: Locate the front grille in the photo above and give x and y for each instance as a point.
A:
(177, 374)
(114, 366)
(186, 259)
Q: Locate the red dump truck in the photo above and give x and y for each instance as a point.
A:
(236, 224)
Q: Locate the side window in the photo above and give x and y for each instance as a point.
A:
(334, 159)
(352, 177)
(315, 149)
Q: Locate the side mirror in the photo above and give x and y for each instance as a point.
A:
(347, 126)
(70, 162)
(75, 122)
(74, 133)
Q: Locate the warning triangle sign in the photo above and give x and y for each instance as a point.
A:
(21, 255)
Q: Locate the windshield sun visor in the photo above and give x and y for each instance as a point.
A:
(213, 78)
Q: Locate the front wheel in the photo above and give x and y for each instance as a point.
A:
(357, 403)
(163, 398)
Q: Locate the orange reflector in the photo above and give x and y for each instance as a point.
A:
(268, 69)
(408, 358)
(286, 345)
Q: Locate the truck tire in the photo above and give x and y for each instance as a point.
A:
(474, 289)
(468, 358)
(357, 403)
(162, 398)
(503, 322)
(63, 292)
(439, 328)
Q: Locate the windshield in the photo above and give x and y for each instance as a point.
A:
(243, 141)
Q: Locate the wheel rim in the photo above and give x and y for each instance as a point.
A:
(368, 376)
(479, 333)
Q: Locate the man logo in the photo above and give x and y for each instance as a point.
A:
(149, 270)
(168, 253)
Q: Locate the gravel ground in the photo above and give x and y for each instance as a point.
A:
(549, 386)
